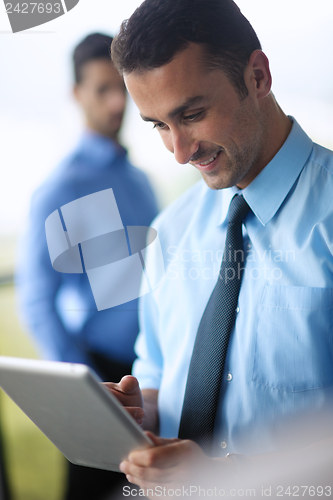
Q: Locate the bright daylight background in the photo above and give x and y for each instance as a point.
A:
(39, 123)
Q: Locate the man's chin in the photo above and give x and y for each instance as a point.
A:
(110, 133)
(217, 182)
(112, 129)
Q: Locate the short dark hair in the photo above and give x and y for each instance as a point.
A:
(94, 46)
(159, 29)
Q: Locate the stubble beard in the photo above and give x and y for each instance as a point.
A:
(237, 163)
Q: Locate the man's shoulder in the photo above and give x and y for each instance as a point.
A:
(136, 175)
(322, 157)
(76, 176)
(314, 188)
(60, 186)
(318, 174)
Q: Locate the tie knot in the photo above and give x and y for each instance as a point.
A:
(238, 209)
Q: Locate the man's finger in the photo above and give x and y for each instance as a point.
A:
(158, 441)
(144, 475)
(165, 456)
(127, 385)
(127, 391)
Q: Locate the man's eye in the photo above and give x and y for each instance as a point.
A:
(160, 125)
(191, 118)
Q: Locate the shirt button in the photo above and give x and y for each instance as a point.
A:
(237, 309)
(229, 377)
(223, 445)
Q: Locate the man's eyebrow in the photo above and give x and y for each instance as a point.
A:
(192, 101)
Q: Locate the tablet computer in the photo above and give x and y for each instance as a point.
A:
(73, 409)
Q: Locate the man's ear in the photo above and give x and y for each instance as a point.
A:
(258, 77)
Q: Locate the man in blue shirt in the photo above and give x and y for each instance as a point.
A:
(197, 72)
(58, 308)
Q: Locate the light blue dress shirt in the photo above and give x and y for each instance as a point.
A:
(58, 308)
(279, 366)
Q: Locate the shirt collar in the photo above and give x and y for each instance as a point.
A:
(269, 189)
(100, 149)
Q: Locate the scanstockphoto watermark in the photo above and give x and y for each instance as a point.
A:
(206, 264)
(190, 491)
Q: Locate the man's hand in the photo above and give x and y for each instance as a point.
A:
(128, 393)
(142, 406)
(171, 463)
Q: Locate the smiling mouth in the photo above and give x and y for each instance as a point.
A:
(205, 163)
(208, 162)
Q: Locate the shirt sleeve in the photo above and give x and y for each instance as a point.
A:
(148, 367)
(37, 285)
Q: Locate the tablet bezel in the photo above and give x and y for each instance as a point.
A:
(69, 404)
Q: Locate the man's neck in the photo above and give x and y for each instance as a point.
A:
(113, 138)
(277, 127)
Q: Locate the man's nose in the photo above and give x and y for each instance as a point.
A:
(183, 146)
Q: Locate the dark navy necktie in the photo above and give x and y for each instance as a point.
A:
(211, 343)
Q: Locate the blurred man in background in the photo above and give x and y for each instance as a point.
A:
(59, 309)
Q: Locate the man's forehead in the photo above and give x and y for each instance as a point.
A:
(171, 88)
(98, 68)
(191, 56)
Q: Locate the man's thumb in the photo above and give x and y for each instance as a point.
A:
(129, 385)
